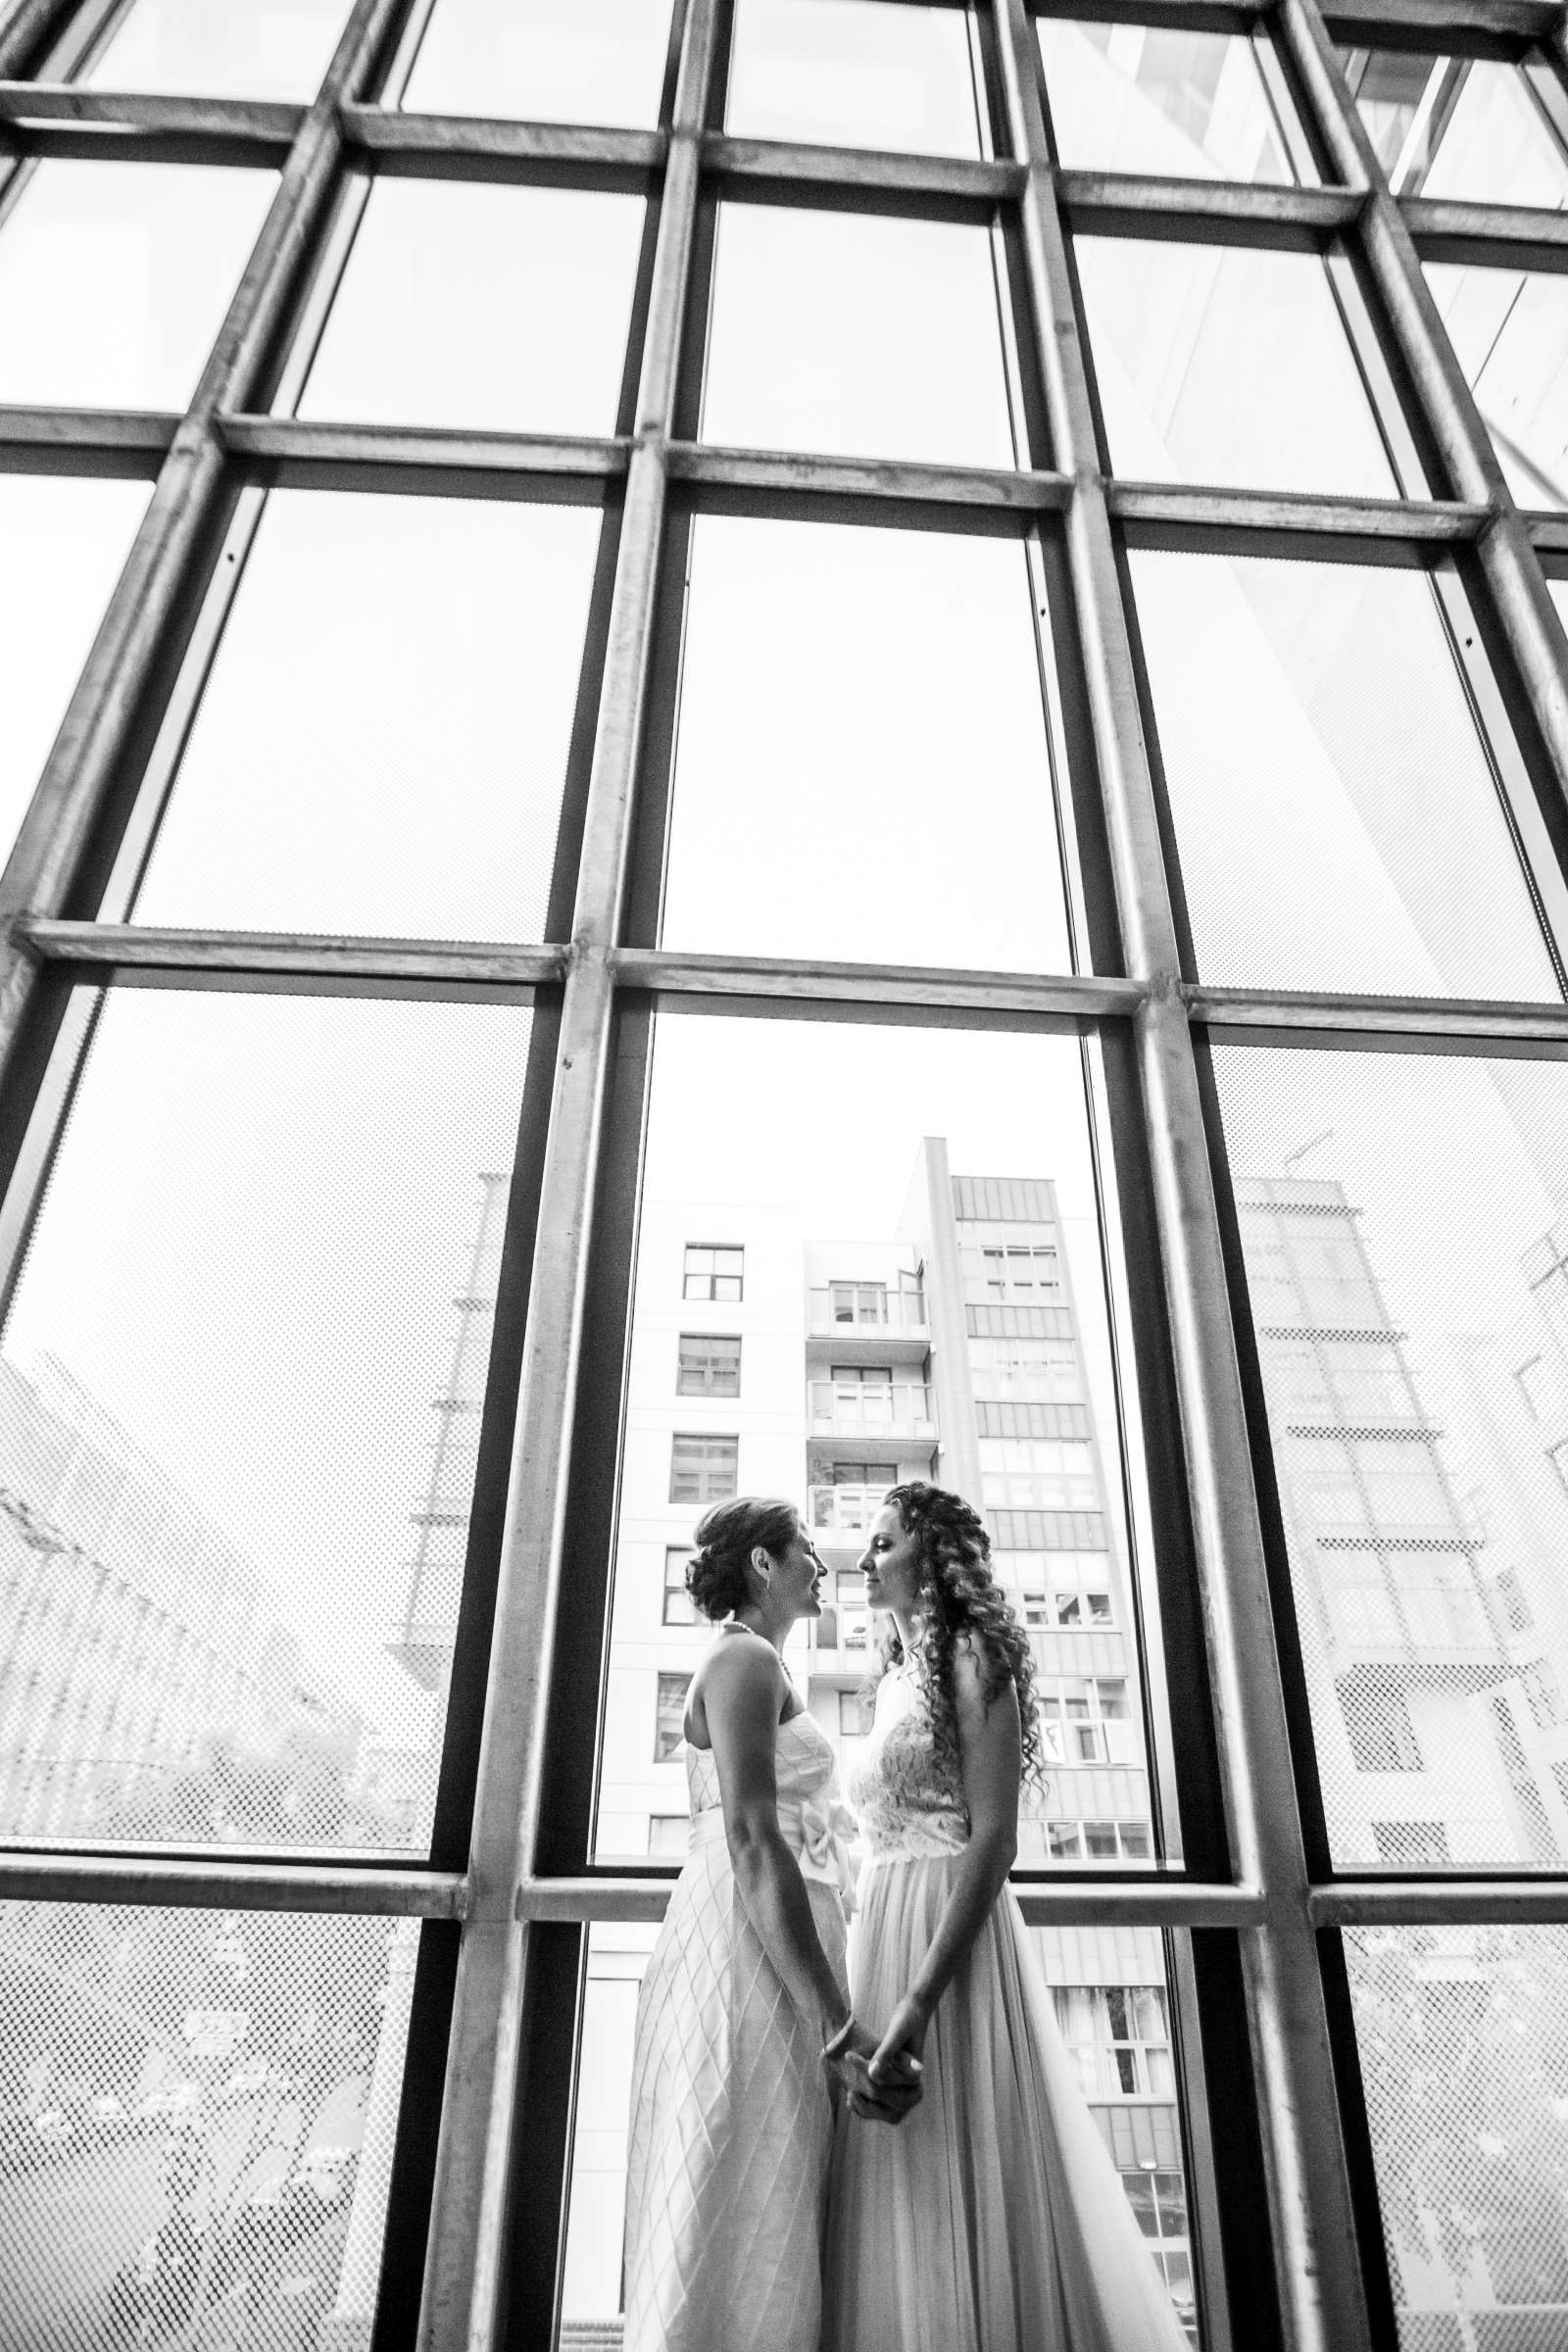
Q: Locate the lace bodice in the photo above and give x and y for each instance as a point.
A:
(904, 1800)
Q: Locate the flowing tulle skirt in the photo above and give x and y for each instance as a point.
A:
(992, 2220)
(731, 2133)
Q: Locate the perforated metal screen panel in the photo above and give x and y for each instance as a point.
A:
(197, 2111)
(1462, 2035)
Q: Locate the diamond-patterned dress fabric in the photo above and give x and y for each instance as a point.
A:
(731, 2127)
(992, 2220)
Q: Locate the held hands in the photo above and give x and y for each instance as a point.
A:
(884, 2097)
(897, 2057)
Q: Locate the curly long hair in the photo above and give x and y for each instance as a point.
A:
(959, 1596)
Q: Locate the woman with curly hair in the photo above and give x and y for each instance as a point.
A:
(743, 2031)
(992, 2220)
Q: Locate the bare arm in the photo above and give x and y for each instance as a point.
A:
(991, 1755)
(742, 1695)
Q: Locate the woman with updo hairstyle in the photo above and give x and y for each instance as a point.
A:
(994, 2221)
(745, 2040)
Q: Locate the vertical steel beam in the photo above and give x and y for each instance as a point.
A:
(25, 33)
(466, 2264)
(157, 584)
(1319, 2285)
(1509, 565)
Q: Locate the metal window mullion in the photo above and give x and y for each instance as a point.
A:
(1318, 2279)
(159, 575)
(1507, 559)
(376, 1890)
(465, 2260)
(25, 33)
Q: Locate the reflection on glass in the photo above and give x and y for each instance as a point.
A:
(1509, 329)
(64, 544)
(243, 49)
(1405, 1228)
(855, 336)
(853, 73)
(409, 782)
(238, 1409)
(925, 1300)
(1337, 821)
(1458, 127)
(1143, 98)
(501, 308)
(199, 2123)
(836, 836)
(544, 61)
(1219, 363)
(1457, 2030)
(114, 279)
(1112, 2003)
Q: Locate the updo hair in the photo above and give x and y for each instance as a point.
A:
(727, 1537)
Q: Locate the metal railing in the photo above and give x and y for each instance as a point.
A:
(864, 1311)
(872, 1409)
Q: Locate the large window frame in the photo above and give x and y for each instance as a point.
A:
(1261, 2014)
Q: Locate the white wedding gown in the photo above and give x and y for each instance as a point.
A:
(992, 2220)
(731, 2127)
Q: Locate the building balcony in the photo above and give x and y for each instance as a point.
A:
(850, 1323)
(840, 1643)
(892, 1413)
(845, 1511)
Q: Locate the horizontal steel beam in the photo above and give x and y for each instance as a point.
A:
(122, 443)
(374, 1892)
(130, 952)
(950, 497)
(1439, 23)
(1205, 212)
(470, 147)
(1160, 513)
(1497, 236)
(1154, 1902)
(1346, 1018)
(771, 170)
(61, 121)
(1439, 1902)
(781, 981)
(539, 468)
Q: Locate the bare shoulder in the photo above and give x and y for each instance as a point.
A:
(739, 1674)
(975, 1687)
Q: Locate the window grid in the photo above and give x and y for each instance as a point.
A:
(233, 443)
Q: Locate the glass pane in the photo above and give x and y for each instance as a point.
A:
(1458, 127)
(114, 279)
(544, 61)
(1510, 331)
(244, 49)
(1218, 363)
(855, 336)
(199, 2115)
(1406, 1250)
(875, 1257)
(1337, 819)
(838, 838)
(408, 783)
(1143, 98)
(854, 74)
(65, 543)
(494, 307)
(1460, 2034)
(238, 1413)
(1110, 2000)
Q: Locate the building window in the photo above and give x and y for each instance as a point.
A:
(670, 1716)
(1119, 2039)
(856, 1303)
(1047, 1531)
(1018, 1272)
(1382, 1738)
(860, 1474)
(1413, 1844)
(679, 1607)
(710, 1365)
(669, 1836)
(860, 1376)
(855, 1715)
(713, 1271)
(1000, 1419)
(702, 1469)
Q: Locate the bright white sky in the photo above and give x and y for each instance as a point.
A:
(263, 1208)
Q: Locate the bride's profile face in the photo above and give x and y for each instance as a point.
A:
(797, 1576)
(891, 1563)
